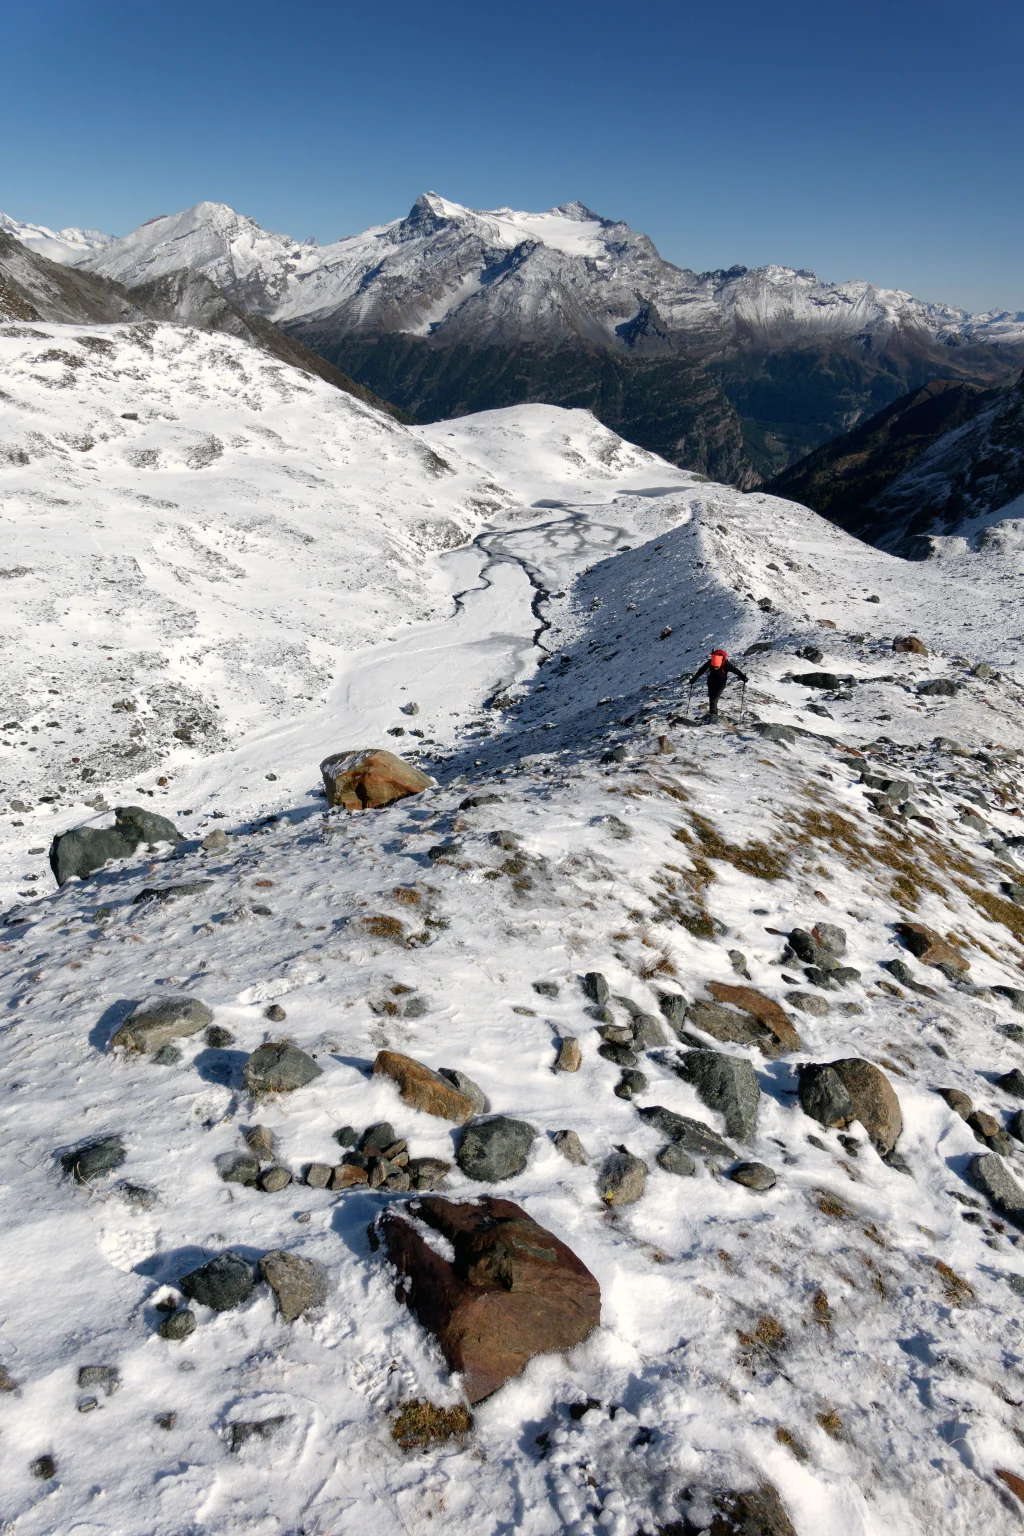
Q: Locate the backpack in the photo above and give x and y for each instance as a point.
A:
(719, 658)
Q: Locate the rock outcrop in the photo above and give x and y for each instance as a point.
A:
(82, 851)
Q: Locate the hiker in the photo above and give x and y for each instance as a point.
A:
(718, 668)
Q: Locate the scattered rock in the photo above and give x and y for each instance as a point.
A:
(169, 893)
(178, 1325)
(424, 1089)
(910, 643)
(1013, 995)
(546, 988)
(495, 1149)
(474, 802)
(79, 853)
(238, 1167)
(622, 1178)
(830, 937)
(905, 976)
(44, 1467)
(223, 1283)
(648, 1034)
(1012, 1082)
(275, 1013)
(673, 1007)
(838, 1092)
(595, 986)
(512, 1290)
(261, 1140)
(738, 961)
(939, 687)
(367, 779)
(731, 1026)
(808, 1002)
(666, 744)
(377, 1138)
(693, 1135)
(106, 1378)
(726, 1084)
(754, 1176)
(94, 1158)
(503, 838)
(279, 1067)
(274, 1179)
(242, 1431)
(784, 734)
(571, 1148)
(675, 1159)
(959, 1102)
(759, 1512)
(765, 1009)
(158, 1020)
(409, 709)
(990, 1175)
(930, 948)
(347, 1175)
(7, 1381)
(569, 1055)
(215, 841)
(428, 1172)
(299, 1284)
(830, 681)
(621, 1055)
(218, 1039)
(166, 1056)
(318, 1175)
(630, 1082)
(467, 1087)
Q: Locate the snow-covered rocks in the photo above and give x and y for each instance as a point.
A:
(159, 1020)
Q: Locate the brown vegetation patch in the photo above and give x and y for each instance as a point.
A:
(792, 1443)
(754, 858)
(997, 909)
(420, 1424)
(955, 1288)
(382, 927)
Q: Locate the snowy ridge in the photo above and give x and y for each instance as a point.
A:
(65, 245)
(842, 1337)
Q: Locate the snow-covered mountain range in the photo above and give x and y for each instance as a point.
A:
(450, 310)
(66, 245)
(502, 274)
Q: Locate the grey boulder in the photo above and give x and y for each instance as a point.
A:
(158, 1020)
(727, 1084)
(299, 1284)
(467, 1087)
(622, 1177)
(94, 1158)
(675, 1159)
(989, 1174)
(692, 1135)
(225, 1282)
(754, 1176)
(279, 1067)
(79, 853)
(490, 1150)
(837, 1092)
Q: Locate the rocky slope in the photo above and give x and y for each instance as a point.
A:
(799, 1329)
(33, 287)
(734, 373)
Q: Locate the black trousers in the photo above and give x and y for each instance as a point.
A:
(716, 687)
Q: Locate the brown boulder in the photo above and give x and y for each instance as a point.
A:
(764, 1009)
(424, 1089)
(369, 778)
(910, 643)
(732, 1027)
(512, 1291)
(930, 947)
(874, 1101)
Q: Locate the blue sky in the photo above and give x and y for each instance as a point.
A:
(860, 140)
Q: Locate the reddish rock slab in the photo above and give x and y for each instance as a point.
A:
(930, 947)
(512, 1291)
(368, 778)
(422, 1088)
(764, 1009)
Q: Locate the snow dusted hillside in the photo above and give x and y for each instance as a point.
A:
(66, 245)
(840, 1337)
(453, 271)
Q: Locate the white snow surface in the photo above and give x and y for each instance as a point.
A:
(897, 1387)
(64, 245)
(500, 272)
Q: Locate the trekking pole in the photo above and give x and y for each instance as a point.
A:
(743, 696)
(689, 696)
